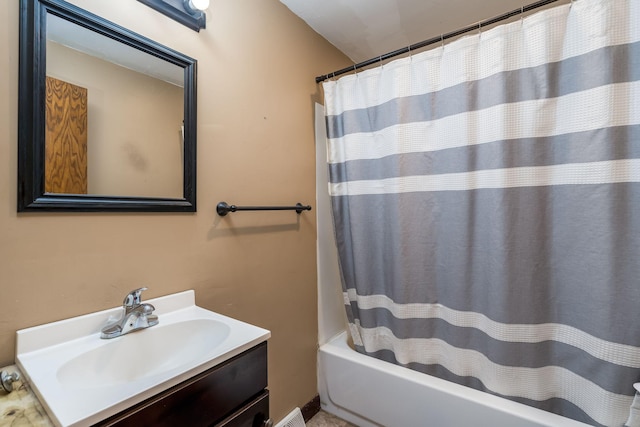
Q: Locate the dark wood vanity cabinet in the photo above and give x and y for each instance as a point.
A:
(232, 394)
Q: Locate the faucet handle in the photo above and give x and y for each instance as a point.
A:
(133, 298)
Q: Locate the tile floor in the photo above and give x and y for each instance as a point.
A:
(325, 419)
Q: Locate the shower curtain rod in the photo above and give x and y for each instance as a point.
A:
(434, 40)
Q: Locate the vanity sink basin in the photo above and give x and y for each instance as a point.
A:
(82, 379)
(131, 357)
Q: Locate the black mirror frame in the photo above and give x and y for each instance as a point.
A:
(31, 115)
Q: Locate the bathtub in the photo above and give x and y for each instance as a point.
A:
(371, 393)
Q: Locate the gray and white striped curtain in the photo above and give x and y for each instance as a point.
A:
(486, 199)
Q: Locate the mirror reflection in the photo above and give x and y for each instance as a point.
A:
(114, 117)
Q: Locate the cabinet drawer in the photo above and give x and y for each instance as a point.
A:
(205, 399)
(253, 414)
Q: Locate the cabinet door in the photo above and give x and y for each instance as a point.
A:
(204, 400)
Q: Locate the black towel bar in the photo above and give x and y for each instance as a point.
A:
(223, 208)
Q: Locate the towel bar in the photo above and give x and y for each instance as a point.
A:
(224, 208)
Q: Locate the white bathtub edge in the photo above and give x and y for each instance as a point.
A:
(461, 397)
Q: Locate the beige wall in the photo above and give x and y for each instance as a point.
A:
(256, 89)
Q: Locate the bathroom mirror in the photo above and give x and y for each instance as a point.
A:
(107, 117)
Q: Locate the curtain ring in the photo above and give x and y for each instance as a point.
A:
(522, 15)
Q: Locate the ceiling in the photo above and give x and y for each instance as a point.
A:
(92, 43)
(364, 29)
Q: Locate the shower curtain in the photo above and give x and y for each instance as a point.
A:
(486, 202)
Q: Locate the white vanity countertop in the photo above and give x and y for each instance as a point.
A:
(46, 355)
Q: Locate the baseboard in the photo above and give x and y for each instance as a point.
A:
(311, 408)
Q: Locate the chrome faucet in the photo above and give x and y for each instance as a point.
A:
(135, 315)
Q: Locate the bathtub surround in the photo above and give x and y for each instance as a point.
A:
(485, 201)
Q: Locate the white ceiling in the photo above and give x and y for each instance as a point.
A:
(364, 29)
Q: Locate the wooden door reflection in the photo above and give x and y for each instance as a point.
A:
(65, 138)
